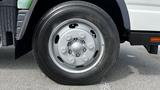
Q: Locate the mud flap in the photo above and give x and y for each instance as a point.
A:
(152, 49)
(8, 15)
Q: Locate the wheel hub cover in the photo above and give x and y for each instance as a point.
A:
(76, 47)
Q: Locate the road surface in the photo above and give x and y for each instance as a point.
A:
(135, 70)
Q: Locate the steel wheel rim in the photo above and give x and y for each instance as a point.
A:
(76, 45)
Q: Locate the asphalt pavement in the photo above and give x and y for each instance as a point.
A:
(134, 70)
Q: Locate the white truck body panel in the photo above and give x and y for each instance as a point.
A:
(144, 14)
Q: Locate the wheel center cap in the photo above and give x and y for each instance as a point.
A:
(77, 47)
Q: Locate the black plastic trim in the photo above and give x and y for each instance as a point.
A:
(125, 14)
(143, 37)
(8, 17)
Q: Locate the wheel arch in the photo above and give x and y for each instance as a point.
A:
(115, 8)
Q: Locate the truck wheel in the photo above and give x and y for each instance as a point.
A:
(76, 43)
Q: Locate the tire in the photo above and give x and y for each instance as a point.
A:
(84, 11)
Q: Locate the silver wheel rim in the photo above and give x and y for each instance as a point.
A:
(76, 45)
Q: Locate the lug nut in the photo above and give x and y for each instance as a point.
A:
(71, 61)
(84, 50)
(70, 51)
(75, 39)
(91, 46)
(82, 36)
(63, 50)
(69, 43)
(68, 38)
(85, 58)
(83, 42)
(77, 55)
